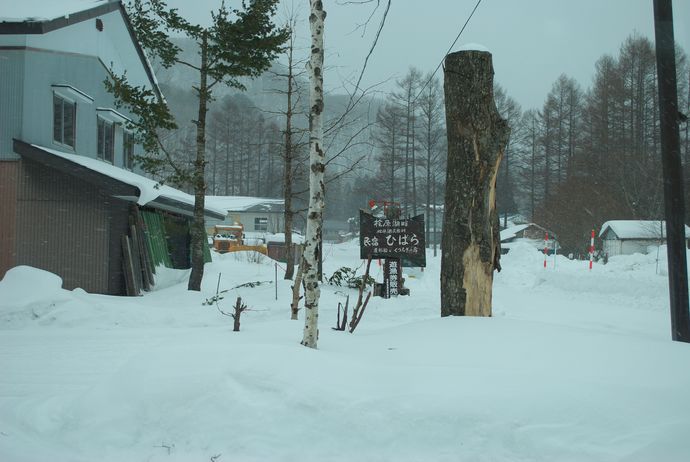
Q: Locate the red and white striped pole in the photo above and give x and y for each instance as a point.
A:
(546, 246)
(591, 250)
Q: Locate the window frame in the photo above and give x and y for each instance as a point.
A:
(59, 132)
(128, 149)
(260, 223)
(105, 150)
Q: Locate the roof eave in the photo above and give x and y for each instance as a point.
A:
(112, 186)
(140, 51)
(172, 205)
(30, 27)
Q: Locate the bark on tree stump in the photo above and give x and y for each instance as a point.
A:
(477, 136)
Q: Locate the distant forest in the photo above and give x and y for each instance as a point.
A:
(586, 156)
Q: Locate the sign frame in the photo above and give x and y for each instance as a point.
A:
(402, 238)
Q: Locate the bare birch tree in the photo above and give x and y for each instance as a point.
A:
(316, 175)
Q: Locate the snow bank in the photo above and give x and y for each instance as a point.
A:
(574, 365)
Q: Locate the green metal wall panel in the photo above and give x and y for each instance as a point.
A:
(155, 238)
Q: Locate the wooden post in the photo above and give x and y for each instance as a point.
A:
(128, 266)
(138, 260)
(477, 137)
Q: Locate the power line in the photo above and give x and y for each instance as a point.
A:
(449, 48)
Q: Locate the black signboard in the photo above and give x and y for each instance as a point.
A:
(392, 238)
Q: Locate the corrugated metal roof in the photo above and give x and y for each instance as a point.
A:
(151, 192)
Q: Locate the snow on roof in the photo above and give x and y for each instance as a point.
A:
(637, 229)
(473, 47)
(149, 190)
(242, 203)
(511, 231)
(43, 10)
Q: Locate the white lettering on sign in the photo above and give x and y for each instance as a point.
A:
(398, 237)
(370, 242)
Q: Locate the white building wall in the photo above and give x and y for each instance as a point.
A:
(275, 221)
(628, 246)
(113, 46)
(636, 246)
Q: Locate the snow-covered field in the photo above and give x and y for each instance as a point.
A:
(574, 366)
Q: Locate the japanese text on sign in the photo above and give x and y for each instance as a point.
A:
(400, 238)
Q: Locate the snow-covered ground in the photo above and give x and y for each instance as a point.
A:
(574, 366)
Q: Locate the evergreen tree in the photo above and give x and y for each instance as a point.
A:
(239, 43)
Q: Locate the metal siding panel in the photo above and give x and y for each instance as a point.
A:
(154, 229)
(11, 106)
(62, 227)
(9, 172)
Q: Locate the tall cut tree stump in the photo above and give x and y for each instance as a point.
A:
(477, 137)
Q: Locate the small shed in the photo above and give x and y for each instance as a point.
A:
(626, 237)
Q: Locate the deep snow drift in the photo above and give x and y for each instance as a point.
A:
(575, 365)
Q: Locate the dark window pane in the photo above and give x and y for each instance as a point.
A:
(260, 224)
(69, 122)
(57, 118)
(128, 150)
(109, 141)
(101, 137)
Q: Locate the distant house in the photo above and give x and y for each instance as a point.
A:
(255, 214)
(625, 237)
(68, 186)
(524, 231)
(527, 232)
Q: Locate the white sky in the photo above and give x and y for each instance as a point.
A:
(533, 41)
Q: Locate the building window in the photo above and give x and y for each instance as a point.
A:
(128, 150)
(106, 140)
(261, 224)
(64, 121)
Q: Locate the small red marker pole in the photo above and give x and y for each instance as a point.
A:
(546, 247)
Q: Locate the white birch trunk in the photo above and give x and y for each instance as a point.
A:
(316, 172)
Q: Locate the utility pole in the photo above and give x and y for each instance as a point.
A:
(673, 173)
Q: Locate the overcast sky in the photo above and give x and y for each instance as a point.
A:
(532, 41)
